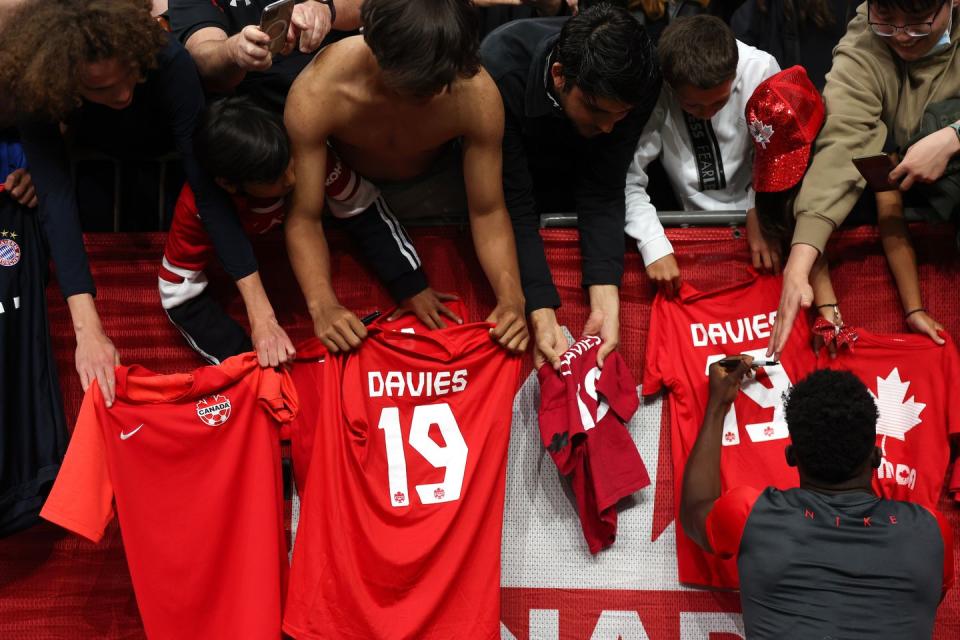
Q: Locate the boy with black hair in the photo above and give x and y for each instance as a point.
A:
(829, 559)
(897, 59)
(408, 106)
(245, 147)
(698, 133)
(576, 93)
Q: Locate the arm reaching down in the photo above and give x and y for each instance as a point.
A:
(489, 221)
(895, 237)
(701, 478)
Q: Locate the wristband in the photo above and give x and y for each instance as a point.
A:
(956, 128)
(917, 310)
(829, 304)
(333, 10)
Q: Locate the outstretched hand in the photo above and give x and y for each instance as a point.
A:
(428, 307)
(339, 329)
(921, 322)
(725, 383)
(96, 359)
(510, 331)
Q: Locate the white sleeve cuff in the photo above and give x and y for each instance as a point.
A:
(654, 249)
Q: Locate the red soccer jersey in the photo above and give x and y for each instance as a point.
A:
(193, 462)
(189, 245)
(306, 379)
(399, 534)
(687, 335)
(916, 384)
(582, 416)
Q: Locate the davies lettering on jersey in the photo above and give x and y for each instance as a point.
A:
(578, 349)
(396, 384)
(733, 331)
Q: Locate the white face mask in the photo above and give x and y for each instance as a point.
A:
(944, 42)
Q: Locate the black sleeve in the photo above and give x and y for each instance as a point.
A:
(387, 249)
(601, 213)
(59, 215)
(189, 16)
(182, 97)
(535, 277)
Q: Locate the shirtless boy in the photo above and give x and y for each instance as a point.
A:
(391, 102)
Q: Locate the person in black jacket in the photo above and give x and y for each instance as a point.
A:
(576, 94)
(795, 32)
(122, 86)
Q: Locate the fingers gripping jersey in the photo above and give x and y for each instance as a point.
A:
(916, 384)
(193, 463)
(686, 336)
(399, 534)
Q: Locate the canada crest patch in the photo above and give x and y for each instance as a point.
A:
(214, 410)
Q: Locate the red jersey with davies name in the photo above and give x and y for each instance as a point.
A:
(916, 384)
(193, 462)
(687, 335)
(399, 534)
(582, 414)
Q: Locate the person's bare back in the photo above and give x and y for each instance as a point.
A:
(382, 134)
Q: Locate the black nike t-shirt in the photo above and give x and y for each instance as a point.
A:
(849, 565)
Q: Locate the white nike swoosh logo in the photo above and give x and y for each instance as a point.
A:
(124, 436)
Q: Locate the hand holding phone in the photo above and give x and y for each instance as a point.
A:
(876, 170)
(274, 21)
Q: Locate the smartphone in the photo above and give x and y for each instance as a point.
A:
(876, 170)
(275, 20)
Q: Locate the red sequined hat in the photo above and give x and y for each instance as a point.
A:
(784, 115)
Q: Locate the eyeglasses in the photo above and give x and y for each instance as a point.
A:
(917, 30)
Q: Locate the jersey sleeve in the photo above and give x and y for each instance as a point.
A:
(952, 380)
(277, 395)
(617, 386)
(81, 499)
(189, 16)
(653, 374)
(728, 518)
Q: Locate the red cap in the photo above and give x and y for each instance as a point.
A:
(784, 116)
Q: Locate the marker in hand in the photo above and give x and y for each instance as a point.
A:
(733, 363)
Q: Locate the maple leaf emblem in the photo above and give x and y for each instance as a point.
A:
(439, 493)
(729, 437)
(761, 132)
(897, 416)
(399, 498)
(768, 432)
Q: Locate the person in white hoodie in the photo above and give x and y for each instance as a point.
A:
(698, 132)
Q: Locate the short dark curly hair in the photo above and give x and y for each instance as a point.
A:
(43, 44)
(832, 419)
(422, 46)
